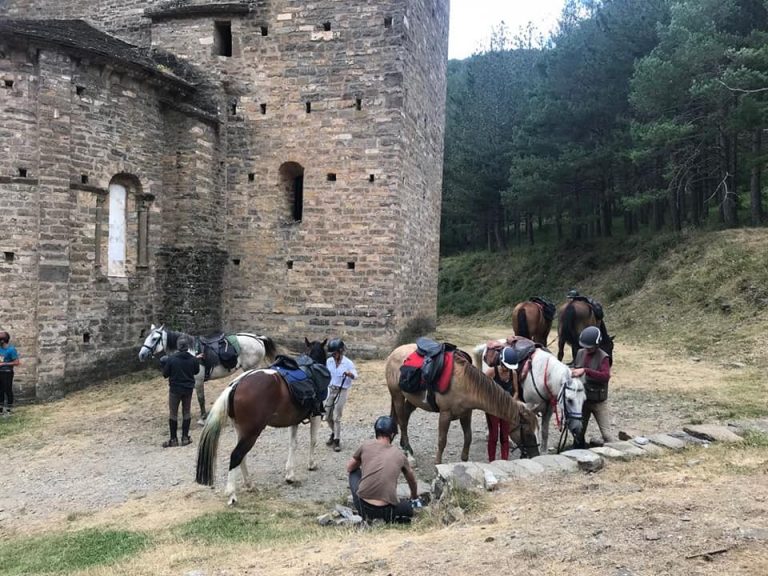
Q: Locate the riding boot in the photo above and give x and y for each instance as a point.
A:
(185, 428)
(174, 440)
(329, 442)
(337, 445)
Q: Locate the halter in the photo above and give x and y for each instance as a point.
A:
(151, 349)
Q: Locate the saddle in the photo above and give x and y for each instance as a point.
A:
(429, 368)
(307, 381)
(523, 347)
(597, 308)
(218, 349)
(548, 308)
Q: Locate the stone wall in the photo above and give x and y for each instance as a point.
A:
(80, 126)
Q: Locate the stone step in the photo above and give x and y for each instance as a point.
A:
(585, 459)
(713, 433)
(628, 448)
(667, 441)
(556, 463)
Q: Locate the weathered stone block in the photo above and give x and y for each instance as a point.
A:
(587, 460)
(667, 441)
(610, 453)
(713, 433)
(519, 468)
(556, 463)
(628, 448)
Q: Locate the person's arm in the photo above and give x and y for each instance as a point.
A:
(602, 374)
(353, 464)
(166, 366)
(411, 478)
(351, 371)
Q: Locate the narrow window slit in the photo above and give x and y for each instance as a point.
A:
(222, 39)
(86, 337)
(9, 256)
(9, 83)
(331, 177)
(264, 30)
(80, 90)
(289, 264)
(251, 177)
(22, 172)
(309, 107)
(263, 108)
(388, 22)
(236, 261)
(83, 178)
(371, 178)
(327, 26)
(233, 109)
(359, 103)
(350, 265)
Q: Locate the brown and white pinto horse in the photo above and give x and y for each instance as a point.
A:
(574, 317)
(528, 320)
(253, 401)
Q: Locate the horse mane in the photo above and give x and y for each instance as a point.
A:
(481, 386)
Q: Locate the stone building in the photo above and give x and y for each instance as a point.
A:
(270, 166)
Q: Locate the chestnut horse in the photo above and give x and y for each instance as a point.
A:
(253, 401)
(528, 320)
(574, 317)
(469, 389)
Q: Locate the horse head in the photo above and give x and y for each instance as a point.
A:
(316, 350)
(573, 397)
(153, 343)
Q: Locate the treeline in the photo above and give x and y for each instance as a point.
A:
(636, 113)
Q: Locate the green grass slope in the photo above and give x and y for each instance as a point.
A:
(697, 293)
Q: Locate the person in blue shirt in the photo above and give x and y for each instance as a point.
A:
(343, 372)
(9, 358)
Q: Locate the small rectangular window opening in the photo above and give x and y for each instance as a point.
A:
(264, 30)
(222, 38)
(8, 83)
(251, 177)
(331, 177)
(83, 178)
(263, 108)
(387, 21)
(233, 109)
(9, 256)
(350, 265)
(86, 337)
(327, 26)
(289, 264)
(309, 107)
(371, 177)
(80, 90)
(236, 261)
(359, 103)
(22, 172)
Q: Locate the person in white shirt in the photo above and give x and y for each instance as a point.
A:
(343, 372)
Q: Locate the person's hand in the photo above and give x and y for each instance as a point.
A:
(417, 503)
(576, 372)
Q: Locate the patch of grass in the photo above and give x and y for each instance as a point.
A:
(756, 439)
(234, 526)
(69, 552)
(15, 424)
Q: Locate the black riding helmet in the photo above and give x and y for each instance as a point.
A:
(5, 336)
(590, 337)
(385, 426)
(336, 345)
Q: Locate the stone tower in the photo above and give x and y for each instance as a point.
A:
(303, 197)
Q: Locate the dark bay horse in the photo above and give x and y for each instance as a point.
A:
(529, 321)
(574, 317)
(253, 401)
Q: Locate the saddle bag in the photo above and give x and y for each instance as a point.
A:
(227, 355)
(596, 391)
(410, 379)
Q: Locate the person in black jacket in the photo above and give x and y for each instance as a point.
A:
(180, 369)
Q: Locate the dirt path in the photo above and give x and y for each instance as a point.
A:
(101, 447)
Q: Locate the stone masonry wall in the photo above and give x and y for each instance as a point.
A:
(75, 126)
(339, 270)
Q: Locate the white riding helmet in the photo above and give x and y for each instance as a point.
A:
(510, 358)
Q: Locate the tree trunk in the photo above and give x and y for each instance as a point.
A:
(729, 203)
(529, 227)
(755, 181)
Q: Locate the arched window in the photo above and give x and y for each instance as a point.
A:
(292, 180)
(116, 252)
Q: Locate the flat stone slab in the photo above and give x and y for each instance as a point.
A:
(556, 463)
(423, 488)
(667, 441)
(651, 449)
(465, 475)
(628, 448)
(585, 459)
(519, 468)
(492, 468)
(713, 433)
(628, 434)
(610, 453)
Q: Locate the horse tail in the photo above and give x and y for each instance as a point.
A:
(270, 348)
(568, 325)
(209, 438)
(522, 323)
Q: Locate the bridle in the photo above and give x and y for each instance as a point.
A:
(151, 349)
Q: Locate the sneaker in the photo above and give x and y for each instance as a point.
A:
(186, 440)
(203, 418)
(329, 442)
(171, 443)
(337, 445)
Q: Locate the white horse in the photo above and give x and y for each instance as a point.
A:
(253, 350)
(549, 389)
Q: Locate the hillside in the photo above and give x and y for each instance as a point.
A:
(695, 293)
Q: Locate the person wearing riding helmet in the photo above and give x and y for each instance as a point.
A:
(373, 472)
(498, 428)
(9, 357)
(180, 368)
(343, 372)
(593, 365)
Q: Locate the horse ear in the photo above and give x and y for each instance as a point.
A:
(325, 342)
(152, 327)
(306, 342)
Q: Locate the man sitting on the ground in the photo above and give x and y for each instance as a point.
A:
(373, 472)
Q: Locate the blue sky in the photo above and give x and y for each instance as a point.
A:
(472, 20)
